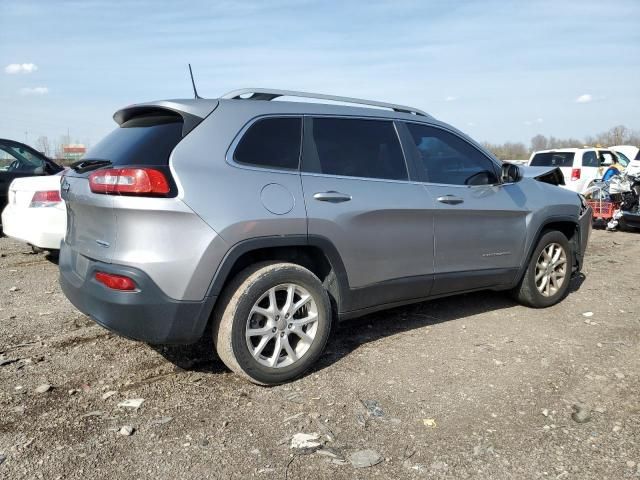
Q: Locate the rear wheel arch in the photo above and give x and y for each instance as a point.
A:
(315, 253)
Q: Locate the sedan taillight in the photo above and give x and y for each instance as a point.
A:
(47, 198)
(129, 181)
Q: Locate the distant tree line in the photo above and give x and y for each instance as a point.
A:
(619, 135)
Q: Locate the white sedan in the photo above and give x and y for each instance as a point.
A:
(35, 212)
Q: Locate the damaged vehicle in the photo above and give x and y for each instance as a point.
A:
(263, 222)
(616, 201)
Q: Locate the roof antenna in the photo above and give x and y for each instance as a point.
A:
(195, 92)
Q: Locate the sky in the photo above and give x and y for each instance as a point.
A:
(498, 70)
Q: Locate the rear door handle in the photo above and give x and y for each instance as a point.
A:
(450, 200)
(332, 197)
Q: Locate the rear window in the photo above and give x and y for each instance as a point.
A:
(552, 159)
(143, 140)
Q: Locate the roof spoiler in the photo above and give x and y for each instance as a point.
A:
(192, 112)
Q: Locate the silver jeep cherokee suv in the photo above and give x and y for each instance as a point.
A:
(268, 220)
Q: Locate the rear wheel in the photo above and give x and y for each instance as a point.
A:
(546, 280)
(272, 322)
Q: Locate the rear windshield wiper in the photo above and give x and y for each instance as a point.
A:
(86, 165)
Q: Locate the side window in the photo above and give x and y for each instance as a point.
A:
(354, 148)
(448, 159)
(589, 159)
(17, 159)
(606, 158)
(271, 143)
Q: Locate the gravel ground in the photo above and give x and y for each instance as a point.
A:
(470, 386)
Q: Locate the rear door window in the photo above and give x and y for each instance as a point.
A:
(552, 159)
(589, 159)
(143, 140)
(271, 143)
(447, 159)
(353, 147)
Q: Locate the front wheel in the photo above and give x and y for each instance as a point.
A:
(272, 323)
(546, 280)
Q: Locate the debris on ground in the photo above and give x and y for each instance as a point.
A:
(108, 394)
(305, 441)
(373, 408)
(44, 388)
(94, 413)
(587, 314)
(429, 422)
(365, 458)
(127, 430)
(8, 361)
(131, 403)
(161, 420)
(581, 413)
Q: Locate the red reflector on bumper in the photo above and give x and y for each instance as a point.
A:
(115, 282)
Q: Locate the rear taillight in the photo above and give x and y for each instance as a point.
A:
(48, 198)
(575, 174)
(115, 282)
(129, 181)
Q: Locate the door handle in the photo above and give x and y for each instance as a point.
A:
(332, 197)
(450, 200)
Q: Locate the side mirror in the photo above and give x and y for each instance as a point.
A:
(511, 173)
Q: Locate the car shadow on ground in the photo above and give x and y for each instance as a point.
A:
(349, 335)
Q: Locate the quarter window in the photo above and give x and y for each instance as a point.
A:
(447, 159)
(271, 143)
(354, 148)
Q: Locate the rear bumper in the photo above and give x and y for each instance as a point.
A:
(40, 227)
(146, 314)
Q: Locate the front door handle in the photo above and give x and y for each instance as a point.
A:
(450, 200)
(332, 197)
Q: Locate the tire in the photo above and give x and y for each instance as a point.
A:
(528, 292)
(236, 313)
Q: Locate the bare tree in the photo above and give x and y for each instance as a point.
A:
(539, 142)
(43, 145)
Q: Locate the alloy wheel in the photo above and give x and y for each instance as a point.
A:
(551, 269)
(282, 325)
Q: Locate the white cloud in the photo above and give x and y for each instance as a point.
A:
(471, 124)
(14, 68)
(34, 91)
(450, 98)
(586, 98)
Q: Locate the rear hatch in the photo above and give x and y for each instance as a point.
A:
(145, 138)
(562, 160)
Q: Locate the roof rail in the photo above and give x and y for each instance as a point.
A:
(269, 94)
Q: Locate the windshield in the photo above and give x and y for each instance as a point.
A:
(622, 158)
(552, 159)
(146, 140)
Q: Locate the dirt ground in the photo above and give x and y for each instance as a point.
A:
(469, 386)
